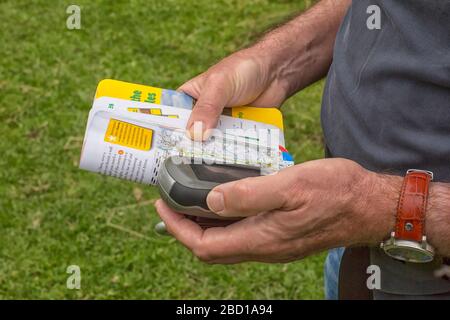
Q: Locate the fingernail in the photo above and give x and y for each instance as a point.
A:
(189, 131)
(195, 131)
(215, 201)
(206, 135)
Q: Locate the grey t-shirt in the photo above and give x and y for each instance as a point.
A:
(386, 106)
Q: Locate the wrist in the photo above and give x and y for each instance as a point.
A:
(268, 64)
(293, 61)
(378, 204)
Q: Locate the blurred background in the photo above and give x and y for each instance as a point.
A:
(53, 215)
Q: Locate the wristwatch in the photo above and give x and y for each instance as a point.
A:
(408, 241)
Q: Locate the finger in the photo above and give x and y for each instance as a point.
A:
(183, 229)
(251, 196)
(270, 98)
(231, 244)
(193, 86)
(218, 245)
(260, 239)
(247, 240)
(214, 96)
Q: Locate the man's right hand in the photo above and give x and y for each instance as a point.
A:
(243, 78)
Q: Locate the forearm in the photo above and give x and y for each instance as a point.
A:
(300, 52)
(381, 205)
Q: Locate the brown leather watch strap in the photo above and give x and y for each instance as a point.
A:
(410, 224)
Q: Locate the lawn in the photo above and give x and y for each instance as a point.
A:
(53, 215)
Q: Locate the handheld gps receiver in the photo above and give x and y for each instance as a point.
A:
(184, 185)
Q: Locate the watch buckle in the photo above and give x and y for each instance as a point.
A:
(423, 171)
(424, 243)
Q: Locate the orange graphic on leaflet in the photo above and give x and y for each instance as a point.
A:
(128, 135)
(121, 152)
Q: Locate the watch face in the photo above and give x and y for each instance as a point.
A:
(410, 254)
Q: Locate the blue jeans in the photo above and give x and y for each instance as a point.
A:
(331, 273)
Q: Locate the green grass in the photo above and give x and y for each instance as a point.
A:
(53, 215)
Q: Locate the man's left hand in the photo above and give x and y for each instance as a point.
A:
(294, 213)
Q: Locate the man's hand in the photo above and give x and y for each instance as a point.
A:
(299, 211)
(244, 78)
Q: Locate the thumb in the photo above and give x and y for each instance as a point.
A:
(249, 196)
(213, 97)
(193, 86)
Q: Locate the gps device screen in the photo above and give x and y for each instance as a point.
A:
(222, 173)
(184, 186)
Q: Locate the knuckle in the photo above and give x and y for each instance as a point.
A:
(202, 253)
(295, 194)
(206, 106)
(216, 77)
(241, 191)
(292, 195)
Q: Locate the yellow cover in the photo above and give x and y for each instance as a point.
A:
(138, 92)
